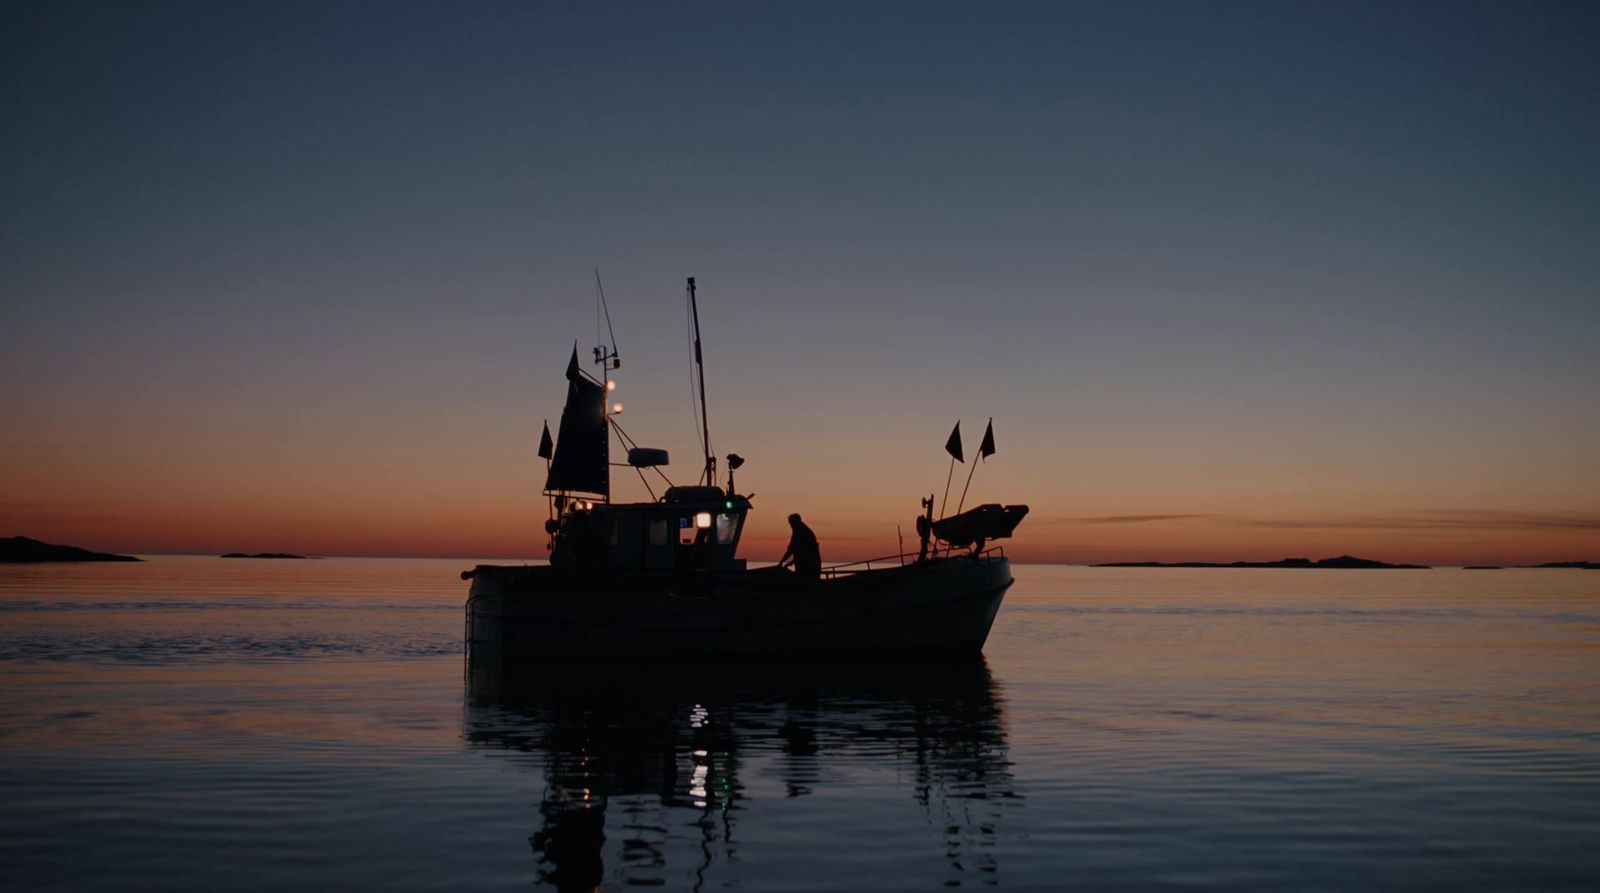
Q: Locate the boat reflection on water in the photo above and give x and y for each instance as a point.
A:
(656, 776)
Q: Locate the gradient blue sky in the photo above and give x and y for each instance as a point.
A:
(1268, 277)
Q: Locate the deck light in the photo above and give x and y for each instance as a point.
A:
(616, 408)
(703, 520)
(611, 385)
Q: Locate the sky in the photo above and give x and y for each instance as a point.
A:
(1234, 280)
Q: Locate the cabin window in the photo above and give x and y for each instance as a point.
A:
(686, 531)
(727, 529)
(658, 531)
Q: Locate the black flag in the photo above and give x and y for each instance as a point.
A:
(953, 445)
(986, 449)
(547, 447)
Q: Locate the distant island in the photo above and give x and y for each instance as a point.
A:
(261, 555)
(1343, 562)
(1585, 565)
(1483, 567)
(22, 550)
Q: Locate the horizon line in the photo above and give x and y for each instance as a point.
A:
(1535, 565)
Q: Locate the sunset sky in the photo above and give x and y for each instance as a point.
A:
(1235, 280)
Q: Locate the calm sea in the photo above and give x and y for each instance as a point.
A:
(199, 723)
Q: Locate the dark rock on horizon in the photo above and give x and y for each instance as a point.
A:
(1483, 567)
(1347, 561)
(1585, 565)
(261, 555)
(22, 550)
(1342, 562)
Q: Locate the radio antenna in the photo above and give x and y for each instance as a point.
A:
(600, 290)
(700, 364)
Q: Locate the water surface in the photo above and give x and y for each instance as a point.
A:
(255, 724)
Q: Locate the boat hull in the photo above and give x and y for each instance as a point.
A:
(542, 614)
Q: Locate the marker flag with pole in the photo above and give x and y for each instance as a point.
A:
(547, 447)
(985, 450)
(953, 447)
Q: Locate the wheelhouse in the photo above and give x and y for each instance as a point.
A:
(690, 529)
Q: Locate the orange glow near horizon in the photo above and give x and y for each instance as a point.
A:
(491, 507)
(1062, 541)
(279, 466)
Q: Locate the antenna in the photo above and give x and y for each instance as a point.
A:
(700, 364)
(609, 359)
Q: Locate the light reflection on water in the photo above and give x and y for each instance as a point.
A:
(656, 777)
(196, 723)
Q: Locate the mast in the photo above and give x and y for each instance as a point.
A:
(700, 364)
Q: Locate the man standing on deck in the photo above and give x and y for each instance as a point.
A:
(803, 547)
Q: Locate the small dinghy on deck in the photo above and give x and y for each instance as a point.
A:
(976, 526)
(662, 579)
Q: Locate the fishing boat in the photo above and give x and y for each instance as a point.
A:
(663, 580)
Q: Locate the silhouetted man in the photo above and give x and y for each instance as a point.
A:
(803, 547)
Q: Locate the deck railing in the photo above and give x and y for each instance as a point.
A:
(852, 567)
